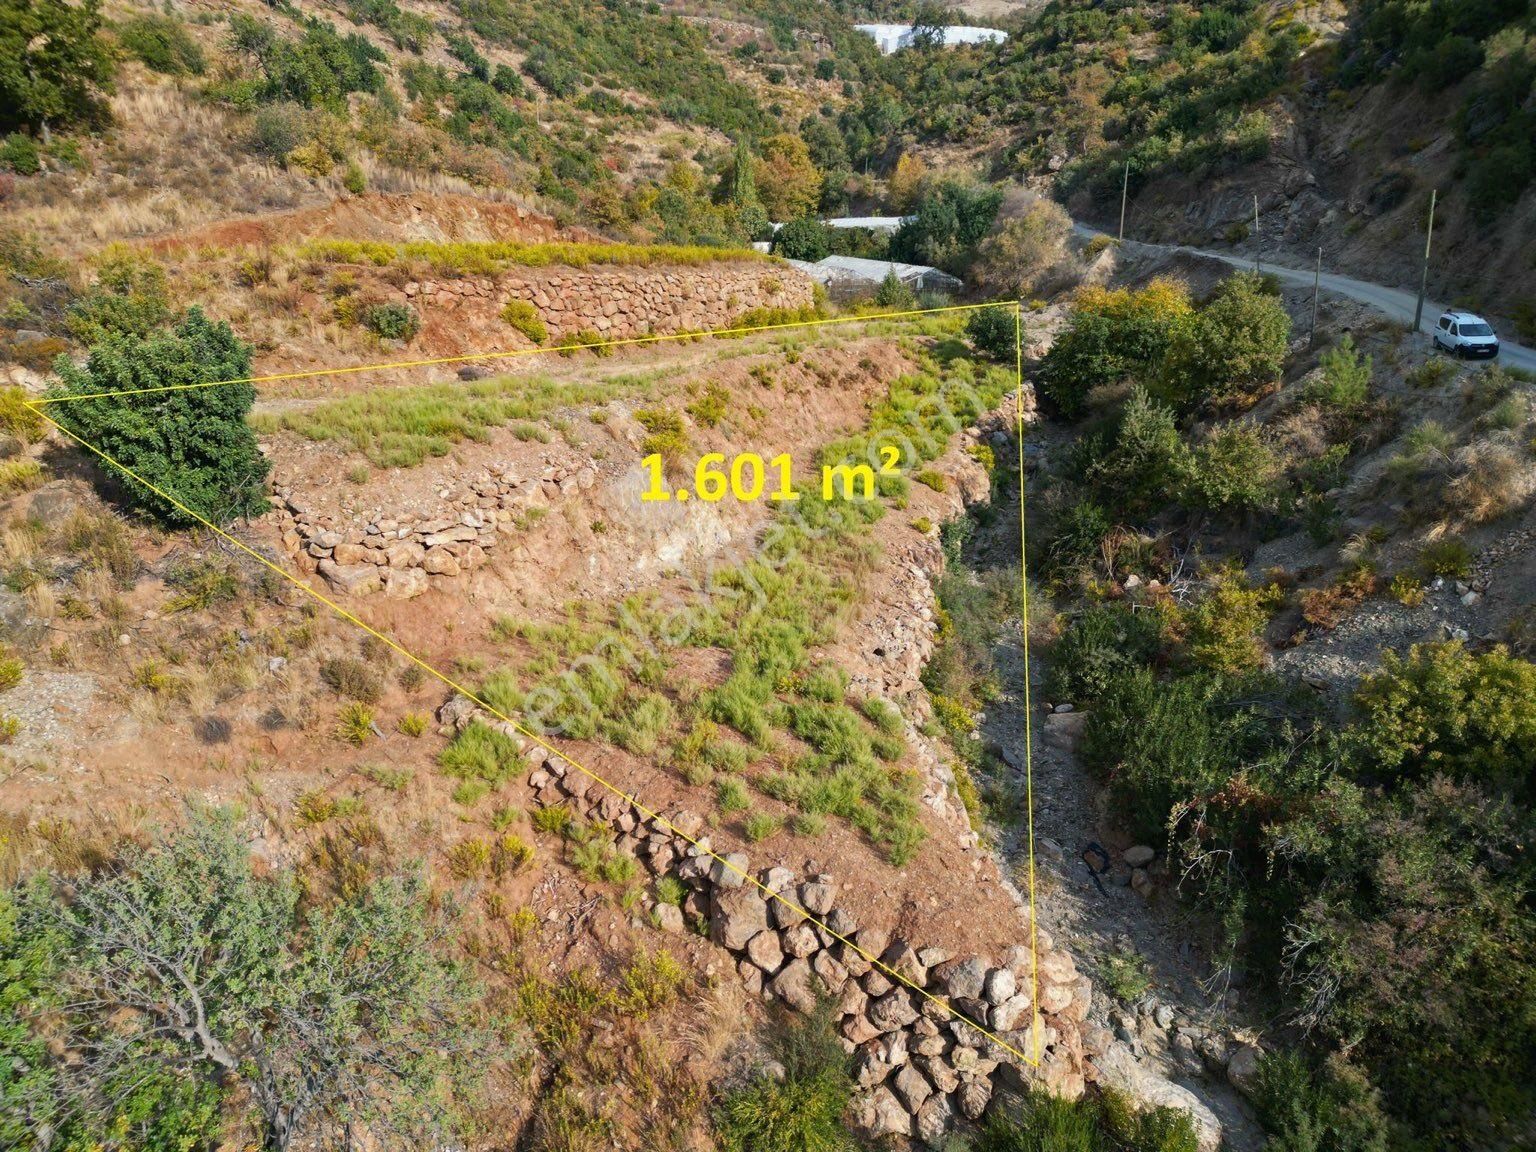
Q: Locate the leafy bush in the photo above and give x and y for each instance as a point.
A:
(1234, 471)
(665, 433)
(20, 154)
(55, 69)
(994, 332)
(1099, 646)
(1328, 1108)
(1222, 629)
(523, 316)
(192, 443)
(1229, 350)
(1442, 709)
(129, 297)
(950, 220)
(803, 239)
(1110, 336)
(162, 44)
(392, 321)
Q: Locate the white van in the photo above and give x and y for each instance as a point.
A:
(1463, 334)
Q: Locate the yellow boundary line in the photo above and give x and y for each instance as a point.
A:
(874, 961)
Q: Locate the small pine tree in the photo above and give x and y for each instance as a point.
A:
(893, 293)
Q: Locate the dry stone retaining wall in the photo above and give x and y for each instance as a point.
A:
(399, 554)
(619, 302)
(919, 1066)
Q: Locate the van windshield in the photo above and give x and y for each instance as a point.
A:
(1476, 330)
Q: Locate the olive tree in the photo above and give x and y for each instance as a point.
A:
(331, 1023)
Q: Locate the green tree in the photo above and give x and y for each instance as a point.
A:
(1231, 349)
(787, 180)
(55, 69)
(1443, 709)
(892, 293)
(1137, 464)
(948, 223)
(182, 963)
(803, 239)
(1111, 336)
(1346, 380)
(192, 443)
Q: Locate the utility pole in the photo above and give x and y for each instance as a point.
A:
(1429, 239)
(1125, 188)
(1256, 270)
(1317, 283)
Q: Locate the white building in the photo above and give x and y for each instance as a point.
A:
(894, 37)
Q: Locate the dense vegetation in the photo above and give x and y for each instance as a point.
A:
(145, 999)
(1370, 877)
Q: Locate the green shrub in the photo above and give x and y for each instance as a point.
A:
(1442, 709)
(1139, 462)
(523, 316)
(1111, 336)
(20, 154)
(1346, 377)
(665, 433)
(802, 1111)
(481, 752)
(1102, 644)
(193, 443)
(994, 332)
(731, 795)
(1328, 1108)
(1446, 556)
(162, 44)
(355, 723)
(1222, 630)
(1234, 471)
(760, 826)
(392, 321)
(1231, 349)
(709, 409)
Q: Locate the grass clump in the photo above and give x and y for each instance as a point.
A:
(351, 679)
(555, 820)
(18, 476)
(481, 752)
(411, 724)
(731, 794)
(761, 826)
(355, 723)
(803, 1110)
(665, 434)
(523, 316)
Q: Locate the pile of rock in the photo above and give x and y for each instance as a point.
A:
(621, 302)
(401, 555)
(908, 1014)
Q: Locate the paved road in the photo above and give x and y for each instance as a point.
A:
(1394, 303)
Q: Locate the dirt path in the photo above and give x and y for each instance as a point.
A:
(1113, 921)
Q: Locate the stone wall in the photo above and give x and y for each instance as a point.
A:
(399, 555)
(617, 302)
(919, 1066)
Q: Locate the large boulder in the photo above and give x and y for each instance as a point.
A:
(739, 914)
(1119, 1070)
